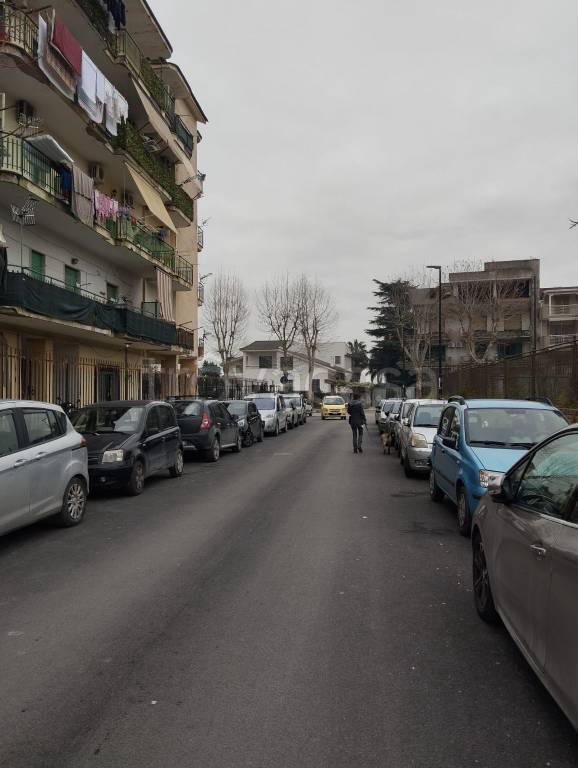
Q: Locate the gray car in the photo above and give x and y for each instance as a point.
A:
(296, 399)
(525, 561)
(43, 465)
(416, 433)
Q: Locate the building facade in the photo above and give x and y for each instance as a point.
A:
(263, 362)
(559, 315)
(99, 190)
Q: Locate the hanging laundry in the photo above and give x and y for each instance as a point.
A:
(66, 182)
(54, 67)
(117, 11)
(105, 207)
(165, 295)
(82, 196)
(67, 45)
(116, 108)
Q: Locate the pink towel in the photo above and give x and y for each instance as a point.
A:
(65, 42)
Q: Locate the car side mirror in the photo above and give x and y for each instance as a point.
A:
(500, 489)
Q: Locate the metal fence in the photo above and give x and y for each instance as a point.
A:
(551, 373)
(77, 381)
(214, 388)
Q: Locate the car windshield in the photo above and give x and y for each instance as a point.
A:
(114, 418)
(427, 415)
(386, 407)
(296, 400)
(511, 427)
(188, 408)
(264, 403)
(333, 401)
(237, 408)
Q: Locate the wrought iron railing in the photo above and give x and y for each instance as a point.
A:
(200, 238)
(152, 308)
(563, 309)
(185, 337)
(185, 136)
(130, 140)
(99, 18)
(18, 29)
(20, 157)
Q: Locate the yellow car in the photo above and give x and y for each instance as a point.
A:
(333, 407)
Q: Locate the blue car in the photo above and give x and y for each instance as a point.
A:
(481, 439)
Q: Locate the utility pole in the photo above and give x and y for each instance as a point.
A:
(440, 379)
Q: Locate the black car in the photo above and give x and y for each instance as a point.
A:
(129, 440)
(248, 420)
(207, 427)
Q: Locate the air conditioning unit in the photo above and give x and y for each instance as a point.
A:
(24, 111)
(97, 173)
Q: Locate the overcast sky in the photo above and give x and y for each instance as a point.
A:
(359, 138)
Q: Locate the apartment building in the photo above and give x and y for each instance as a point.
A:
(559, 315)
(263, 361)
(99, 191)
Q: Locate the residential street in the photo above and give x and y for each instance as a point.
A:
(296, 606)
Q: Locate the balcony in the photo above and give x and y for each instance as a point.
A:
(19, 30)
(130, 140)
(564, 338)
(185, 337)
(19, 157)
(200, 294)
(123, 230)
(49, 297)
(200, 238)
(556, 310)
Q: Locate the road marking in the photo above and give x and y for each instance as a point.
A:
(282, 454)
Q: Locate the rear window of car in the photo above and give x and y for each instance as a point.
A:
(41, 426)
(264, 403)
(237, 408)
(188, 408)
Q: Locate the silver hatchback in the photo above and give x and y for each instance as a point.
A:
(416, 433)
(43, 465)
(525, 561)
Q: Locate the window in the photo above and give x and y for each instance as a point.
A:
(72, 278)
(8, 435)
(167, 417)
(510, 349)
(265, 361)
(446, 420)
(112, 293)
(108, 419)
(252, 409)
(455, 426)
(37, 264)
(41, 426)
(550, 484)
(153, 424)
(337, 360)
(427, 416)
(186, 408)
(287, 363)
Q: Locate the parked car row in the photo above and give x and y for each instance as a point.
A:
(510, 468)
(49, 462)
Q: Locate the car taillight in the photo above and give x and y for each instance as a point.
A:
(205, 423)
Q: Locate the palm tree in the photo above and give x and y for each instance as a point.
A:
(359, 358)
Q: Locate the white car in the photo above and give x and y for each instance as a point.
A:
(43, 465)
(273, 411)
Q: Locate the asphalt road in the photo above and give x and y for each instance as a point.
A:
(296, 606)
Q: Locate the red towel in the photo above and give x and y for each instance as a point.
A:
(67, 45)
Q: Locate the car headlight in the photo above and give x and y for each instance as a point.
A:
(112, 457)
(418, 440)
(487, 474)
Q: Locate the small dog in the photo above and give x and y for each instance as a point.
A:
(386, 443)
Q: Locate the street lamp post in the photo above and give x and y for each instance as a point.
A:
(440, 380)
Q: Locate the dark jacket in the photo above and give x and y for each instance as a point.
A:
(356, 413)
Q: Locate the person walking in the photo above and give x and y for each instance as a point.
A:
(357, 421)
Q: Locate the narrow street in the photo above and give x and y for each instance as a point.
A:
(292, 607)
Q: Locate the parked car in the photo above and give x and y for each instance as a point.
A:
(207, 427)
(378, 405)
(478, 440)
(296, 399)
(404, 409)
(129, 440)
(525, 561)
(416, 434)
(388, 425)
(333, 406)
(248, 420)
(273, 411)
(386, 407)
(43, 466)
(308, 407)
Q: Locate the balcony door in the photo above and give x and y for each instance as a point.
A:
(72, 279)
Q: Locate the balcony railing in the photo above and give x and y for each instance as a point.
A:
(184, 135)
(566, 338)
(49, 297)
(130, 140)
(564, 309)
(20, 157)
(185, 337)
(152, 308)
(99, 18)
(18, 29)
(200, 238)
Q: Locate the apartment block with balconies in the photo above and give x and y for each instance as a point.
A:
(559, 315)
(99, 188)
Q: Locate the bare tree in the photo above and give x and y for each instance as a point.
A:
(481, 304)
(317, 314)
(279, 306)
(226, 312)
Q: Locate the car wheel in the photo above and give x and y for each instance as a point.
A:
(73, 503)
(214, 452)
(249, 439)
(260, 435)
(277, 430)
(408, 471)
(464, 516)
(285, 428)
(238, 447)
(434, 492)
(482, 591)
(135, 485)
(177, 469)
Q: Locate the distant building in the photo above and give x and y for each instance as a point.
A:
(559, 315)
